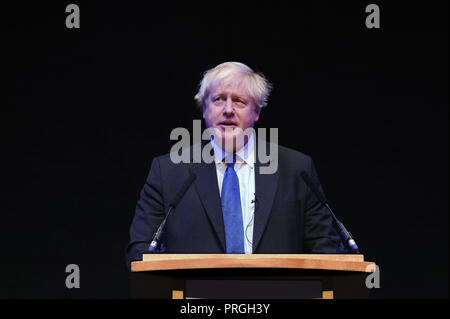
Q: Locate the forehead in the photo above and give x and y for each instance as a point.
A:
(234, 85)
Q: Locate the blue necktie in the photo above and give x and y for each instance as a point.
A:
(232, 211)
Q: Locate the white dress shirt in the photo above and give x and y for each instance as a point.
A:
(245, 170)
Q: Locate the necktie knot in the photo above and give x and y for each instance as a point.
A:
(230, 161)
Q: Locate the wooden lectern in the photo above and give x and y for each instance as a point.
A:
(256, 276)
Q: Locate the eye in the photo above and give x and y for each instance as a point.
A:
(240, 101)
(217, 99)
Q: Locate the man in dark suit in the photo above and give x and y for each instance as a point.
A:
(234, 206)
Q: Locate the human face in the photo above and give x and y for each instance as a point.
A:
(228, 111)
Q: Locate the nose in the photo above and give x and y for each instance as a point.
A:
(228, 107)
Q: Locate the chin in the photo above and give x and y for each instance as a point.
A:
(232, 142)
(228, 141)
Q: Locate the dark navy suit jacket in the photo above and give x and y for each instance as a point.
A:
(288, 218)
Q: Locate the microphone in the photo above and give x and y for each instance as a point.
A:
(256, 202)
(345, 234)
(172, 204)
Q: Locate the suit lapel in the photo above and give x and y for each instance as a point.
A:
(265, 189)
(208, 191)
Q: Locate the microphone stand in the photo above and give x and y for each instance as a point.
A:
(345, 234)
(157, 237)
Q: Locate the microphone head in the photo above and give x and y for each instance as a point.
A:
(353, 245)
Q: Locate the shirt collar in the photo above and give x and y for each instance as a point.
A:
(245, 154)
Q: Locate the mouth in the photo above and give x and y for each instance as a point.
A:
(228, 124)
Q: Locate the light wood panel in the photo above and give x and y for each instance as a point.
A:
(152, 262)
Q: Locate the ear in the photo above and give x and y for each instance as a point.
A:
(204, 105)
(257, 111)
(204, 110)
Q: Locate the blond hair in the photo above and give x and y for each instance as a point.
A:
(257, 85)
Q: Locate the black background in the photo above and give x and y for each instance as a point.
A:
(87, 109)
